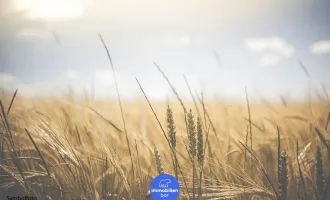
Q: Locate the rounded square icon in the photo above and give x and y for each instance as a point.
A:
(164, 186)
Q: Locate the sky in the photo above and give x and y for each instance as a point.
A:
(47, 46)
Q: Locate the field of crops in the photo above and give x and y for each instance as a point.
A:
(80, 149)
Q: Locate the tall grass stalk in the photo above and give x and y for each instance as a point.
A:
(200, 154)
(173, 151)
(262, 168)
(283, 178)
(119, 101)
(158, 159)
(192, 145)
(171, 131)
(319, 174)
(299, 168)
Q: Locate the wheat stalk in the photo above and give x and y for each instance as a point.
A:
(159, 163)
(191, 129)
(283, 177)
(200, 153)
(171, 132)
(319, 174)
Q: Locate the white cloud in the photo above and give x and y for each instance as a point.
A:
(156, 91)
(35, 33)
(272, 44)
(104, 77)
(51, 88)
(272, 49)
(10, 82)
(269, 59)
(321, 47)
(185, 40)
(173, 40)
(72, 74)
(29, 90)
(7, 79)
(104, 85)
(49, 10)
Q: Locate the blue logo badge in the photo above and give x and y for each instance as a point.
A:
(164, 186)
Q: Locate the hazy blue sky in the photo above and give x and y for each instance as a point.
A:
(258, 43)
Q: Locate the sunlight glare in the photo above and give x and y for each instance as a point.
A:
(49, 10)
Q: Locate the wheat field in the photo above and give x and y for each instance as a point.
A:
(84, 146)
(70, 148)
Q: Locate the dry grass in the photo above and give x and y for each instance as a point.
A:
(74, 149)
